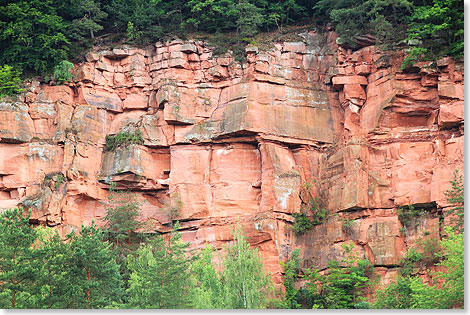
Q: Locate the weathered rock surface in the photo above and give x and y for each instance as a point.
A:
(240, 142)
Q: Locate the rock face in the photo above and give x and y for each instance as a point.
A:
(240, 142)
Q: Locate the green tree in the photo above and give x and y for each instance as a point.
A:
(207, 284)
(53, 279)
(10, 81)
(341, 286)
(160, 276)
(212, 15)
(446, 289)
(86, 17)
(456, 196)
(244, 281)
(397, 294)
(291, 269)
(94, 272)
(122, 227)
(18, 268)
(438, 27)
(121, 222)
(249, 19)
(32, 35)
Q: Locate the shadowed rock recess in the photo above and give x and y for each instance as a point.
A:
(241, 141)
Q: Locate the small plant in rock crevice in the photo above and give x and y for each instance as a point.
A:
(312, 212)
(172, 207)
(347, 225)
(60, 180)
(123, 138)
(408, 215)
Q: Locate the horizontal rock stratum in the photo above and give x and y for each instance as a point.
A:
(242, 141)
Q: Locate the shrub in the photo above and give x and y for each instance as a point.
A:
(124, 138)
(341, 286)
(407, 216)
(62, 72)
(409, 262)
(60, 179)
(347, 225)
(10, 81)
(312, 213)
(291, 270)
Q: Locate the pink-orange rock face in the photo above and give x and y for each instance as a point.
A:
(242, 143)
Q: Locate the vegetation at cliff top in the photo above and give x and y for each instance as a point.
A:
(10, 81)
(36, 36)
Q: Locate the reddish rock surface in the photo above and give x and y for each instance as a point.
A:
(240, 142)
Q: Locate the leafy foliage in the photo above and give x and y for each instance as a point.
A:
(446, 290)
(351, 18)
(123, 228)
(32, 35)
(160, 274)
(207, 287)
(10, 82)
(123, 138)
(245, 285)
(62, 72)
(340, 287)
(312, 213)
(121, 221)
(60, 179)
(291, 269)
(39, 270)
(95, 274)
(439, 26)
(408, 215)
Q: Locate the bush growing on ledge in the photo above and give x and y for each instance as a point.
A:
(124, 138)
(62, 72)
(312, 213)
(406, 215)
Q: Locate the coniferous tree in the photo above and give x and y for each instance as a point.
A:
(121, 227)
(160, 276)
(17, 266)
(456, 196)
(54, 279)
(95, 278)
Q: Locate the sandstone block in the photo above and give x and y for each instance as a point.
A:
(15, 123)
(451, 90)
(352, 79)
(451, 113)
(189, 48)
(135, 101)
(100, 99)
(296, 47)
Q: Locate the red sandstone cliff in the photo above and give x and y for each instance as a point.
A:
(239, 141)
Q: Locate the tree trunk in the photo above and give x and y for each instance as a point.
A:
(13, 299)
(88, 291)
